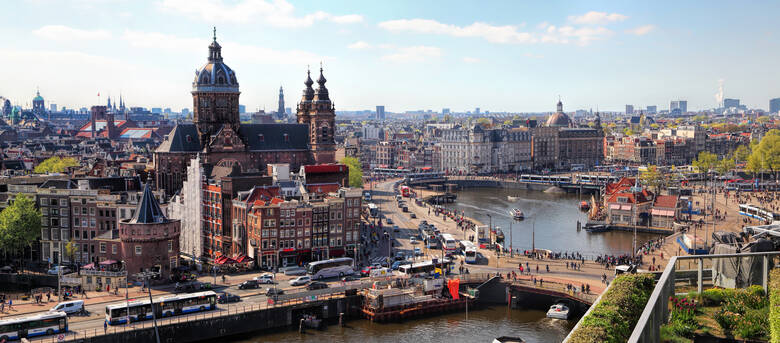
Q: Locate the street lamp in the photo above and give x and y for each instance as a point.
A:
(146, 276)
(127, 295)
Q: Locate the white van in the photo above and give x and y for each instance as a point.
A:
(380, 272)
(69, 307)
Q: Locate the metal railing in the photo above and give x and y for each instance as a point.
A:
(656, 312)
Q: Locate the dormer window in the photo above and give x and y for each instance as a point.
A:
(260, 137)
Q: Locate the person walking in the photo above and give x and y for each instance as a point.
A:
(105, 326)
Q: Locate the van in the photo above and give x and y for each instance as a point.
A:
(379, 272)
(69, 307)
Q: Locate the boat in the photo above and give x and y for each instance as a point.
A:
(499, 235)
(312, 322)
(508, 339)
(511, 198)
(517, 213)
(597, 228)
(584, 206)
(558, 311)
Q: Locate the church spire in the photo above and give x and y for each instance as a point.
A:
(322, 92)
(215, 50)
(308, 92)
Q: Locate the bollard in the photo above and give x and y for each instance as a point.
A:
(341, 319)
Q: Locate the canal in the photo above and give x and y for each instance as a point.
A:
(553, 216)
(481, 326)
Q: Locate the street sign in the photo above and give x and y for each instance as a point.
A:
(60, 338)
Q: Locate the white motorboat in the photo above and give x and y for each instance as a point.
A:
(511, 198)
(558, 311)
(517, 214)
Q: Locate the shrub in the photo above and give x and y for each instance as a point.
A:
(754, 323)
(715, 296)
(774, 300)
(727, 320)
(614, 317)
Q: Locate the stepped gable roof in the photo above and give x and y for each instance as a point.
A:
(148, 210)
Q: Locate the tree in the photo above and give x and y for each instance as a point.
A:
(355, 171)
(742, 153)
(762, 119)
(705, 161)
(653, 178)
(765, 154)
(725, 165)
(485, 122)
(447, 118)
(55, 164)
(70, 249)
(20, 224)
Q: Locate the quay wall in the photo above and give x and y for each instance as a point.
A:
(463, 184)
(27, 281)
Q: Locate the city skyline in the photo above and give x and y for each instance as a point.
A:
(406, 56)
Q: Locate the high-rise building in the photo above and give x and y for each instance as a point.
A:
(445, 111)
(774, 105)
(53, 107)
(476, 110)
(678, 106)
(629, 109)
(185, 111)
(652, 109)
(729, 103)
(380, 112)
(241, 108)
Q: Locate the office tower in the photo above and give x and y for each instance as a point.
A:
(476, 111)
(445, 111)
(380, 112)
(652, 109)
(241, 108)
(53, 107)
(679, 106)
(629, 109)
(774, 105)
(729, 103)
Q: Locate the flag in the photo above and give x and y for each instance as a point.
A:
(98, 93)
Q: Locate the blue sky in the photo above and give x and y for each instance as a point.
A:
(500, 56)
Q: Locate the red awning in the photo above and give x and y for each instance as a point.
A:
(89, 266)
(107, 262)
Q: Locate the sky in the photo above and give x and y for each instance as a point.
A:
(513, 56)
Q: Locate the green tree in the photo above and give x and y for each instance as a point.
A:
(765, 155)
(742, 153)
(447, 118)
(55, 164)
(355, 171)
(485, 122)
(725, 165)
(705, 161)
(653, 178)
(70, 249)
(628, 131)
(20, 224)
(762, 119)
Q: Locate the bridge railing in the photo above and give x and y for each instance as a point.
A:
(727, 271)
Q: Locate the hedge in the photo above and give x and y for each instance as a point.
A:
(774, 305)
(614, 317)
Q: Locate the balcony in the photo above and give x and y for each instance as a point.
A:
(91, 272)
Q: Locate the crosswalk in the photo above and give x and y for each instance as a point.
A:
(378, 259)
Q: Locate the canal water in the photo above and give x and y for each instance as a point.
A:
(481, 326)
(553, 216)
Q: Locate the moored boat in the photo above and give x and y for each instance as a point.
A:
(584, 206)
(517, 213)
(558, 311)
(508, 339)
(511, 198)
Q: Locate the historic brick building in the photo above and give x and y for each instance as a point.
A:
(217, 133)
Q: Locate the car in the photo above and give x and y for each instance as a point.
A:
(316, 285)
(396, 228)
(226, 298)
(265, 278)
(69, 307)
(367, 270)
(400, 256)
(192, 287)
(396, 264)
(56, 270)
(412, 215)
(417, 252)
(249, 284)
(348, 278)
(413, 240)
(274, 291)
(389, 221)
(301, 280)
(292, 271)
(8, 270)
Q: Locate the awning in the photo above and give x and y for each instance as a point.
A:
(625, 207)
(88, 266)
(614, 206)
(663, 213)
(107, 262)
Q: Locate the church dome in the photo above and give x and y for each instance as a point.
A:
(215, 75)
(559, 119)
(38, 97)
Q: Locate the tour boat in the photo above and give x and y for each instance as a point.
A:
(558, 311)
(511, 198)
(499, 235)
(517, 214)
(584, 205)
(508, 339)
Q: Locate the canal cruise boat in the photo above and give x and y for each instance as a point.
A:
(517, 214)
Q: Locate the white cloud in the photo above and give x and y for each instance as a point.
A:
(641, 30)
(359, 45)
(413, 54)
(506, 34)
(278, 13)
(66, 33)
(530, 55)
(230, 50)
(594, 18)
(470, 59)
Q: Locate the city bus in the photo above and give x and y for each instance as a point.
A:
(166, 306)
(425, 267)
(330, 268)
(448, 242)
(31, 326)
(469, 251)
(757, 212)
(373, 210)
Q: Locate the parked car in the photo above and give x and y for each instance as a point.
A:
(396, 228)
(400, 256)
(413, 240)
(265, 278)
(294, 271)
(225, 298)
(249, 284)
(389, 221)
(301, 280)
(412, 215)
(316, 285)
(274, 291)
(56, 270)
(417, 252)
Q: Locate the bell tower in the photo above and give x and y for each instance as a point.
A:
(321, 118)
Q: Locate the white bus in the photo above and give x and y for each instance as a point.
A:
(166, 306)
(31, 326)
(373, 210)
(469, 251)
(448, 242)
(425, 267)
(330, 268)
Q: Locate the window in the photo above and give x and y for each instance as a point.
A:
(76, 222)
(91, 222)
(170, 245)
(91, 211)
(103, 248)
(113, 249)
(54, 202)
(138, 250)
(76, 234)
(173, 262)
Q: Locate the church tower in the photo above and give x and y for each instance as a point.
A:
(214, 95)
(280, 112)
(316, 110)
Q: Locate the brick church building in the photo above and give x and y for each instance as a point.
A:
(217, 133)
